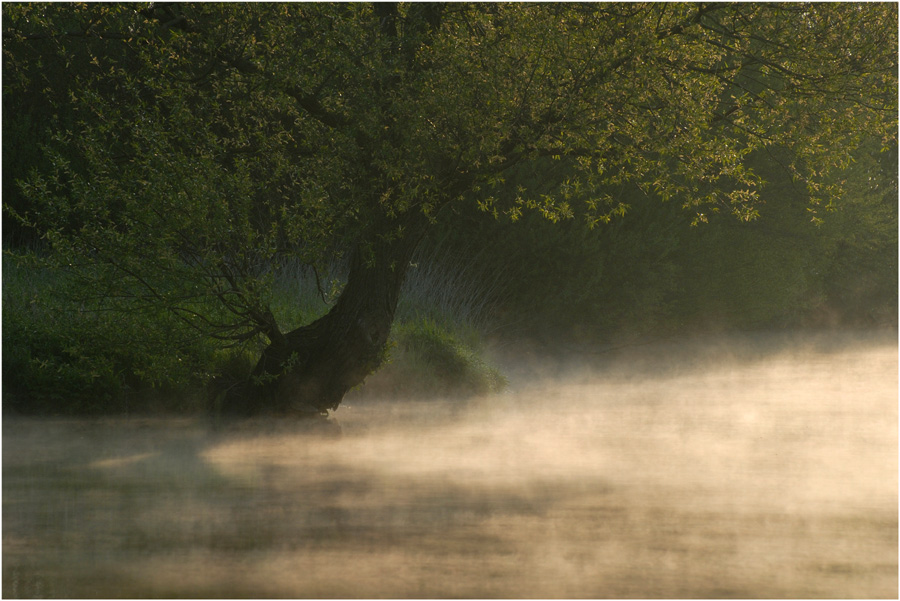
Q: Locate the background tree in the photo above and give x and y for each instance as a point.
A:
(194, 148)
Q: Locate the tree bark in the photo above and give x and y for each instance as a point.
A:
(310, 369)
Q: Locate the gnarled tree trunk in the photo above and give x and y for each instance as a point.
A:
(310, 369)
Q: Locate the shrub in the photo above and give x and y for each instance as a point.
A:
(65, 356)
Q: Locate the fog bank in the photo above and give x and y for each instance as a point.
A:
(746, 467)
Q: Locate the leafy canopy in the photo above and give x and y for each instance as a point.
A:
(192, 149)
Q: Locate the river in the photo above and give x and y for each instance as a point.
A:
(737, 468)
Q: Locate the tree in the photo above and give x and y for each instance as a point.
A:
(195, 147)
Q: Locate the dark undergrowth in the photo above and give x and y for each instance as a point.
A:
(66, 356)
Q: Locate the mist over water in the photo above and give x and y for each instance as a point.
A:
(744, 467)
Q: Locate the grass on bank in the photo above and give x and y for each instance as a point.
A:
(428, 358)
